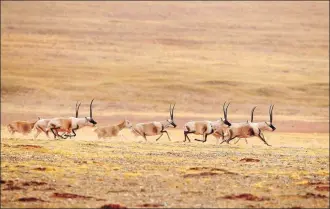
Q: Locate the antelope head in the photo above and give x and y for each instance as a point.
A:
(218, 123)
(225, 114)
(128, 124)
(270, 124)
(171, 119)
(89, 120)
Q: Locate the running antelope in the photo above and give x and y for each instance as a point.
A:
(71, 124)
(206, 128)
(110, 131)
(247, 130)
(23, 127)
(154, 128)
(41, 124)
(247, 122)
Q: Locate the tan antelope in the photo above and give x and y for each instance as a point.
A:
(110, 131)
(206, 128)
(41, 124)
(154, 128)
(23, 127)
(247, 122)
(263, 126)
(248, 129)
(71, 124)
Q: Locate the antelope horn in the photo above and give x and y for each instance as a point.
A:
(90, 109)
(224, 111)
(227, 110)
(252, 113)
(271, 113)
(77, 108)
(173, 111)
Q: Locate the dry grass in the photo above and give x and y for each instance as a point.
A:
(135, 58)
(171, 174)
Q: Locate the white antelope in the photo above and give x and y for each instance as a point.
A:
(71, 124)
(110, 131)
(248, 129)
(206, 128)
(154, 128)
(41, 124)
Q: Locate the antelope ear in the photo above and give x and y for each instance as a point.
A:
(221, 119)
(86, 118)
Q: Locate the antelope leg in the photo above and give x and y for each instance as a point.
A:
(223, 141)
(37, 134)
(200, 140)
(168, 136)
(237, 141)
(73, 131)
(230, 139)
(160, 136)
(52, 129)
(261, 136)
(186, 135)
(145, 137)
(205, 137)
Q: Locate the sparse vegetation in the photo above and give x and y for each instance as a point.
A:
(135, 58)
(132, 173)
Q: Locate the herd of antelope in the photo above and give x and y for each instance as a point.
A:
(219, 129)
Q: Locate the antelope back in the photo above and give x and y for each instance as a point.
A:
(152, 128)
(246, 131)
(24, 127)
(66, 123)
(42, 123)
(201, 127)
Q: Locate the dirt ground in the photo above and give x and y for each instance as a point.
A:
(137, 58)
(87, 172)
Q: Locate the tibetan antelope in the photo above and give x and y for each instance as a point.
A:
(71, 124)
(154, 128)
(206, 128)
(247, 130)
(23, 127)
(41, 124)
(247, 122)
(110, 131)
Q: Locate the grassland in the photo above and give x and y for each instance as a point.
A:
(294, 172)
(135, 58)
